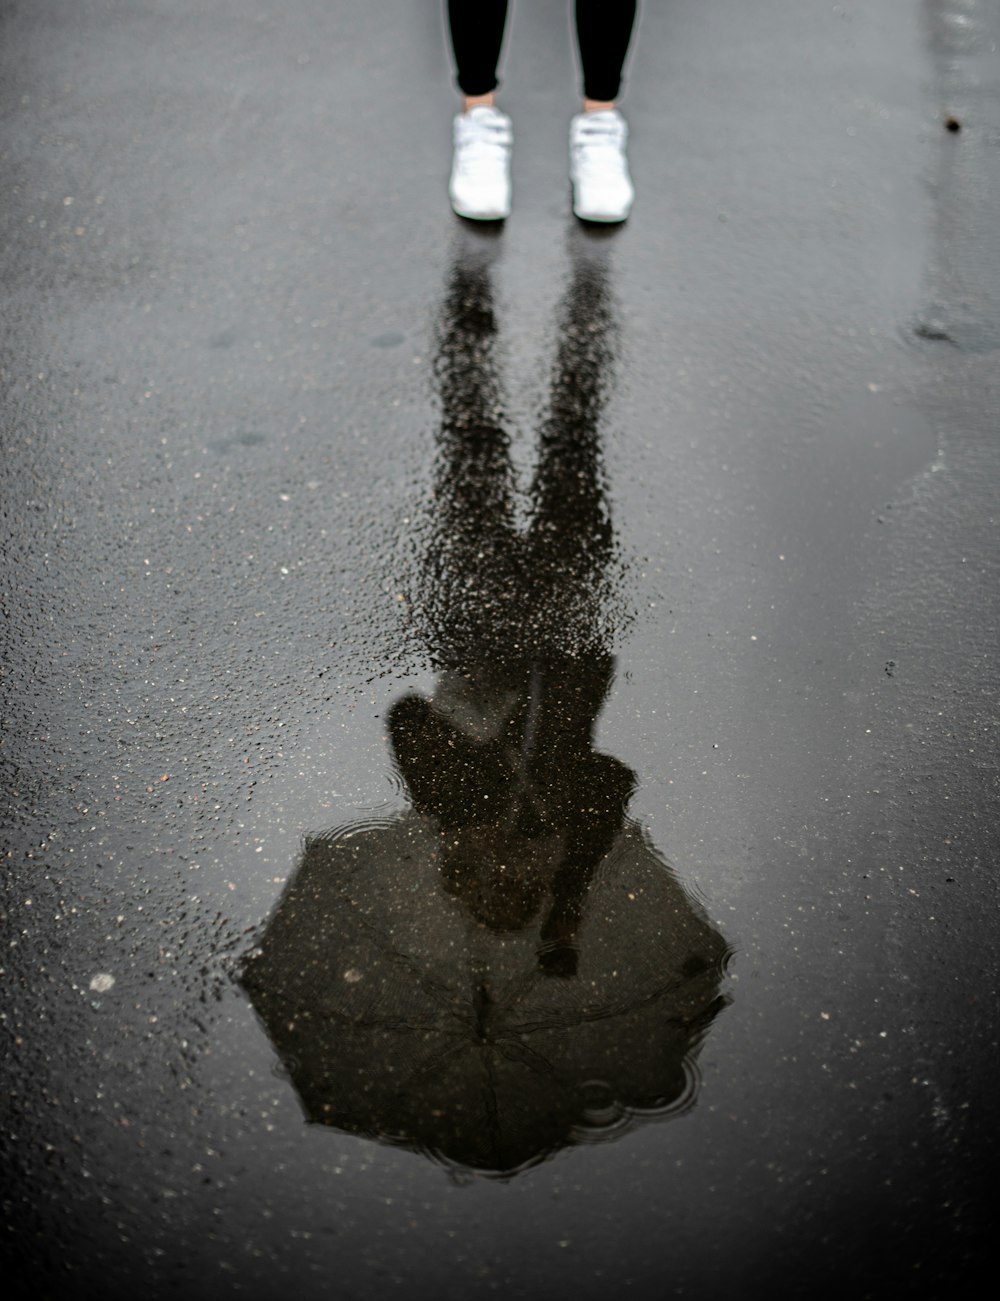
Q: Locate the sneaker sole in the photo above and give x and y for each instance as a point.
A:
(479, 216)
(601, 221)
(599, 218)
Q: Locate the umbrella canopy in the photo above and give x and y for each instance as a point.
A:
(400, 1017)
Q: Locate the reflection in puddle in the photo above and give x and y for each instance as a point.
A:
(508, 967)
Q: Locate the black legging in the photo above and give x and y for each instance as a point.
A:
(603, 30)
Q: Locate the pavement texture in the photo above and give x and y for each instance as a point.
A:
(739, 481)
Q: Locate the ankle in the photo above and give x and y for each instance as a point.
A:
(479, 101)
(599, 105)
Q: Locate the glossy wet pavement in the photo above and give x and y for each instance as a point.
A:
(500, 728)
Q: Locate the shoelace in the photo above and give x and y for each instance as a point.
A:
(598, 147)
(602, 135)
(483, 141)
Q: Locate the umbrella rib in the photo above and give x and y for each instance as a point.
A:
(431, 1064)
(492, 1106)
(516, 1050)
(381, 1022)
(440, 992)
(557, 1020)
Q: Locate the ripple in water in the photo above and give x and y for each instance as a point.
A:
(357, 827)
(605, 1118)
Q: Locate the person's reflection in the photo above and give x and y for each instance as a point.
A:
(502, 756)
(508, 967)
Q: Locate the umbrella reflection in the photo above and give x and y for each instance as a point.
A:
(508, 968)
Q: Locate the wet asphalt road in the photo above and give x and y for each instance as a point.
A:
(227, 347)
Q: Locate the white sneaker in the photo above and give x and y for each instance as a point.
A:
(598, 166)
(480, 170)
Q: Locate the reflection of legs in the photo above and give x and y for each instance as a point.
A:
(571, 543)
(468, 585)
(475, 485)
(571, 529)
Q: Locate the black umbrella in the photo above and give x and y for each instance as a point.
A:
(400, 1017)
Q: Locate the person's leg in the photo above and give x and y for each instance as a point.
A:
(602, 185)
(476, 28)
(480, 186)
(603, 31)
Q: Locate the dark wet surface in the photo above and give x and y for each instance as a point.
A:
(500, 732)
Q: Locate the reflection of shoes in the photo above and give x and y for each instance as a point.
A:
(598, 166)
(480, 171)
(477, 246)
